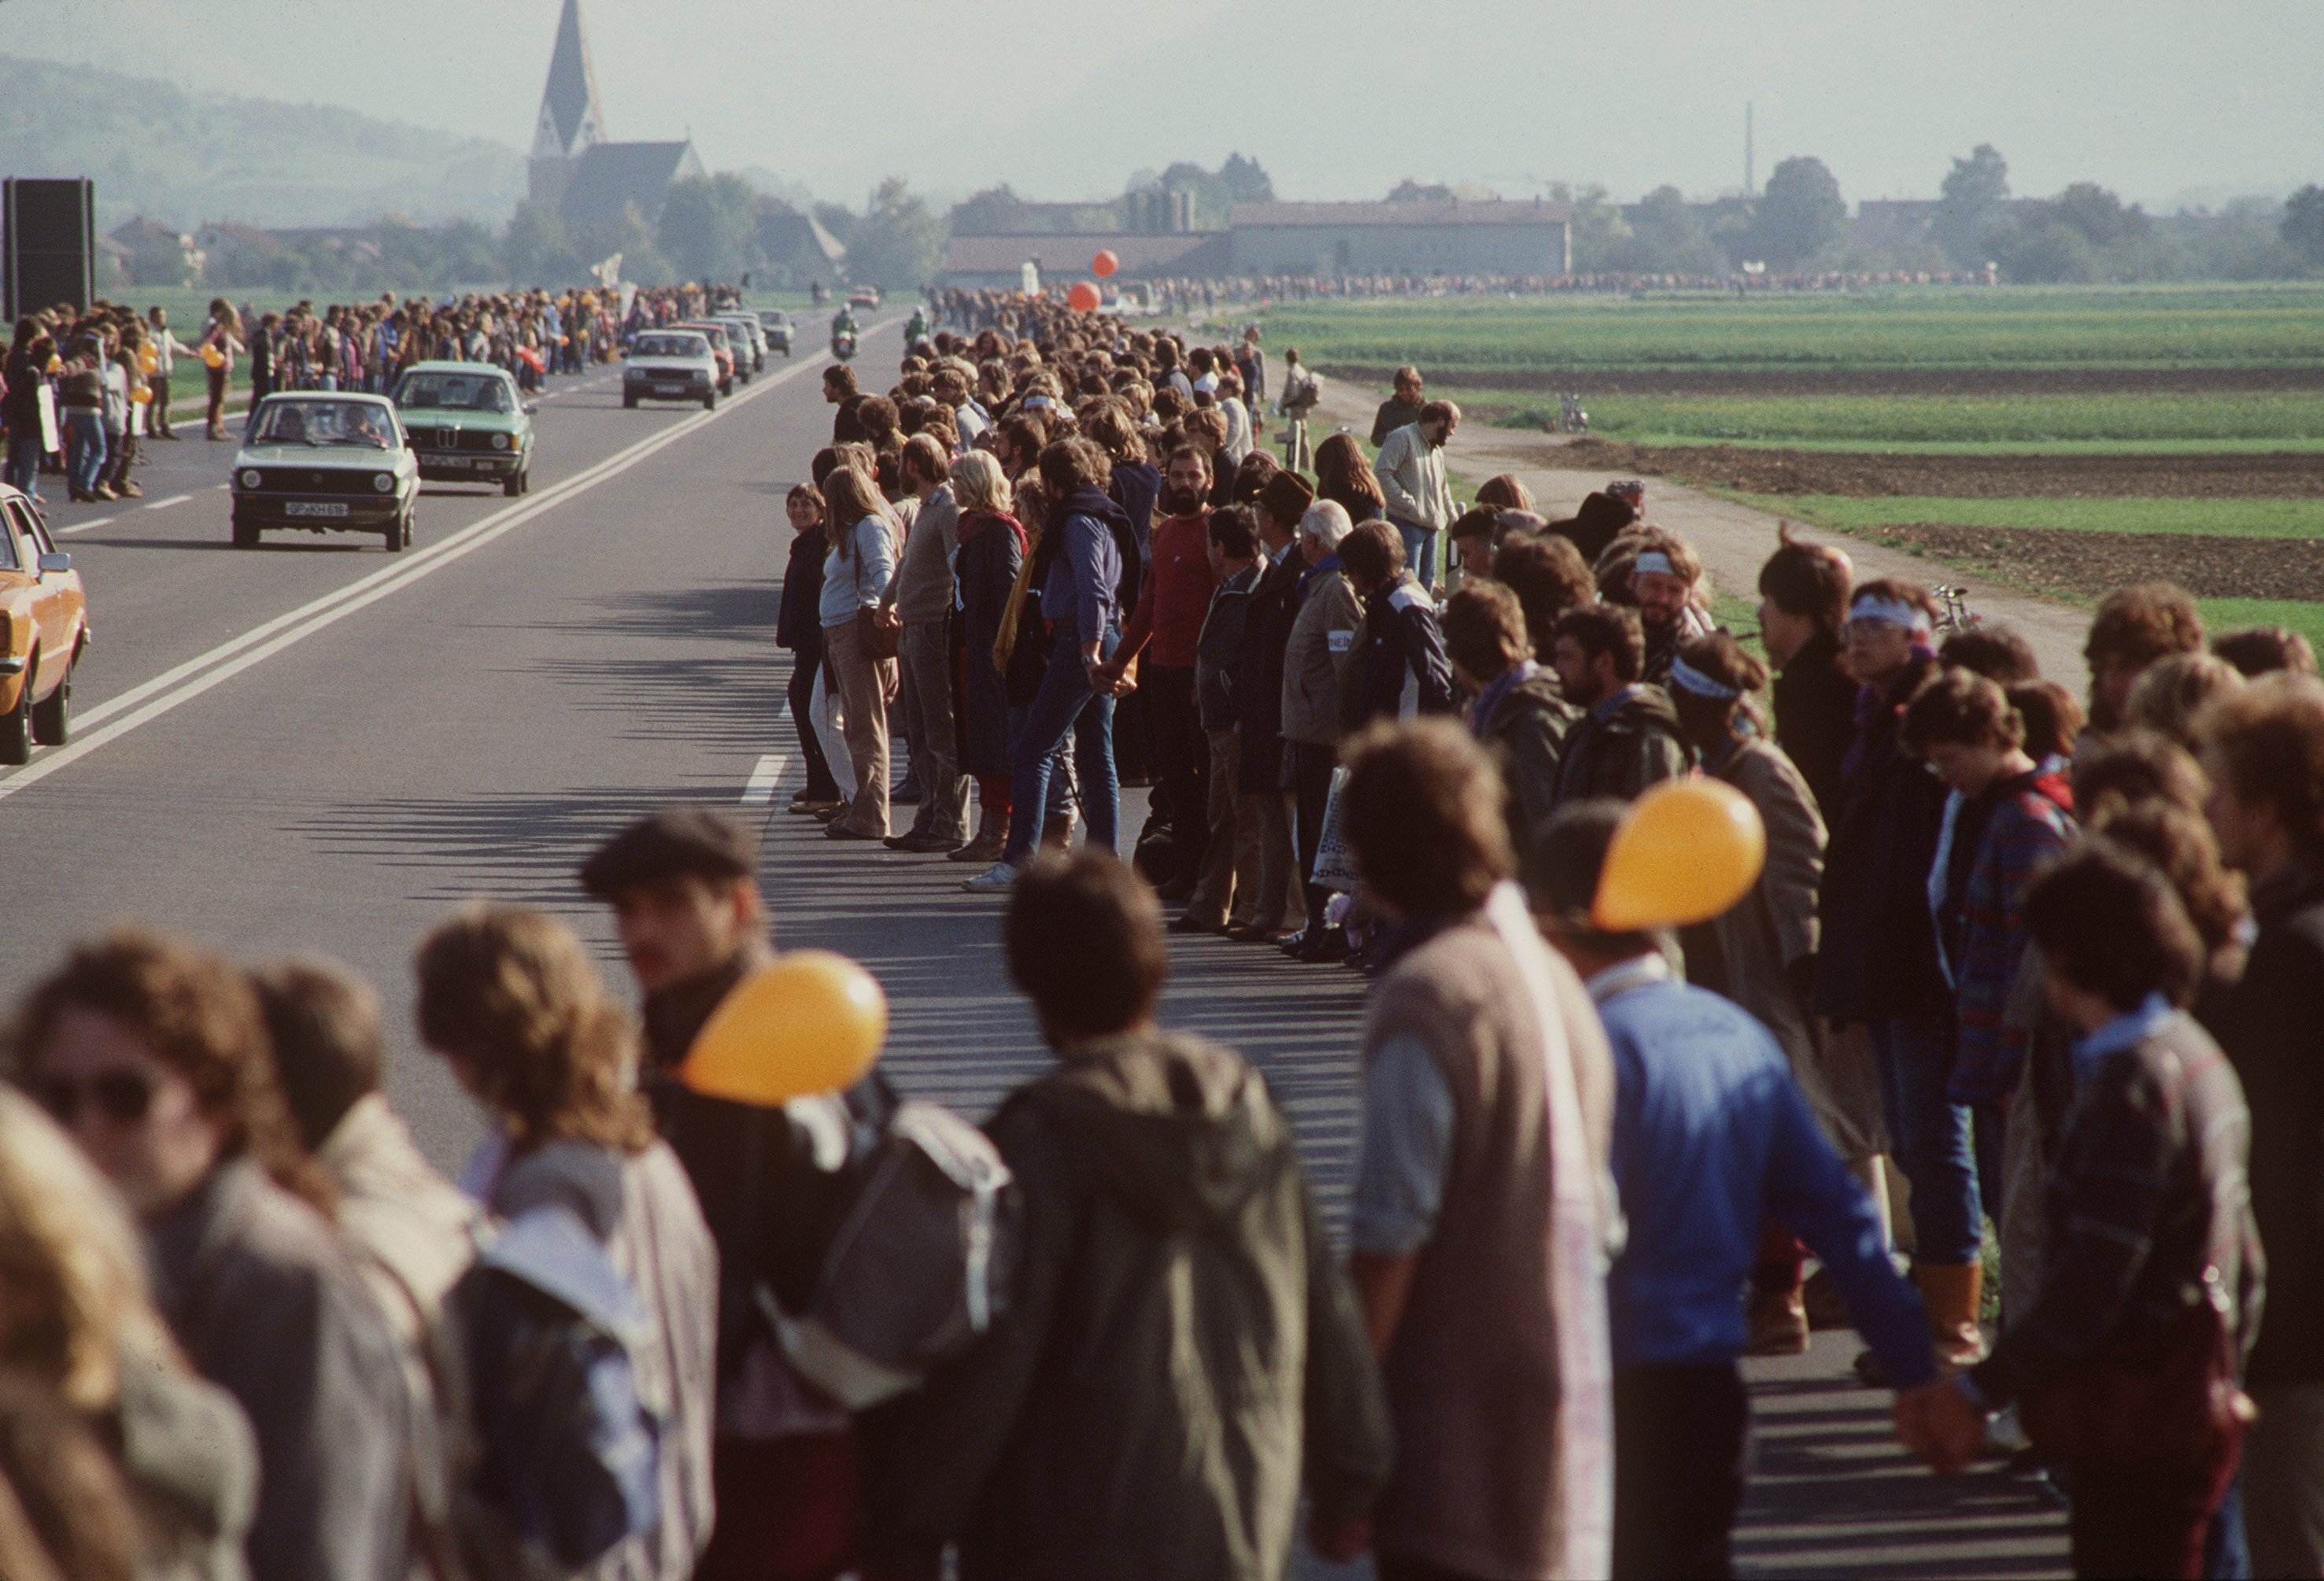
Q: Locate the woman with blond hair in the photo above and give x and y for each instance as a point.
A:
(856, 571)
(78, 1320)
(509, 999)
(992, 550)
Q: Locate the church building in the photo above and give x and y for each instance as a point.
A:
(586, 179)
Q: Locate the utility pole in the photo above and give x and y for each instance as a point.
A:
(1750, 182)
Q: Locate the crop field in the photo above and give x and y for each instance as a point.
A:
(2066, 440)
(1958, 331)
(2124, 421)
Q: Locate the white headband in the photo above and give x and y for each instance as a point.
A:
(1891, 611)
(1653, 560)
(1687, 678)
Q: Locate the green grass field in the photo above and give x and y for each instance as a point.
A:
(2267, 518)
(2280, 419)
(2230, 614)
(2185, 327)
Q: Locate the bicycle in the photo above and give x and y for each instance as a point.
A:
(1954, 614)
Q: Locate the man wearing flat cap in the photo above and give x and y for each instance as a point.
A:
(683, 889)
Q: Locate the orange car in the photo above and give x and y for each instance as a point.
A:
(43, 631)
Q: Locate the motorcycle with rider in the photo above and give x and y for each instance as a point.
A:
(844, 333)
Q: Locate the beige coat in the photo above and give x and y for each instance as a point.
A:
(1774, 925)
(1322, 646)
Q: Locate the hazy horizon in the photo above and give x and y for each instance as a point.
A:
(2163, 101)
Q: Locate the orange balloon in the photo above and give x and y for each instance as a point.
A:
(1684, 852)
(1083, 297)
(810, 1022)
(1104, 263)
(141, 395)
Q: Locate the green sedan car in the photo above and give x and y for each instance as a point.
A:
(468, 424)
(324, 461)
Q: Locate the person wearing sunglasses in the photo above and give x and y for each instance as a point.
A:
(78, 1324)
(152, 1056)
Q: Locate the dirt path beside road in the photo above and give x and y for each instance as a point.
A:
(1734, 540)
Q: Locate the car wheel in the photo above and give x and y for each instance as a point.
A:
(246, 534)
(513, 484)
(17, 728)
(629, 399)
(710, 401)
(398, 533)
(52, 719)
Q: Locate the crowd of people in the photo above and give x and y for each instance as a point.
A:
(2013, 969)
(108, 371)
(1176, 295)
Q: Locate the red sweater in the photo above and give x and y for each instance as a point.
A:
(1182, 585)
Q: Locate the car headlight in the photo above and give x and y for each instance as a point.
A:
(383, 482)
(249, 479)
(500, 442)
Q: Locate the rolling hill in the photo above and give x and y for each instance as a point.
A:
(184, 158)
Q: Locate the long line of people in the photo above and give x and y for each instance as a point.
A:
(2058, 970)
(108, 371)
(1919, 798)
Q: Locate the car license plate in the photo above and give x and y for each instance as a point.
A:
(456, 461)
(670, 390)
(314, 508)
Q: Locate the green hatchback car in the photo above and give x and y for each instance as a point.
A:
(324, 462)
(468, 424)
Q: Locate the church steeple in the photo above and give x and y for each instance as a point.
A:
(569, 119)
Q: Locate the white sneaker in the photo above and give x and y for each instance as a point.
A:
(993, 880)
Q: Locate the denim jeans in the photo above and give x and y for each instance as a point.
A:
(1930, 1137)
(1064, 708)
(1419, 552)
(84, 448)
(25, 458)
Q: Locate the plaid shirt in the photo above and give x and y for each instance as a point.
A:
(2031, 824)
(2146, 1195)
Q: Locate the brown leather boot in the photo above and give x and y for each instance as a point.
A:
(1952, 1290)
(1057, 833)
(1779, 1323)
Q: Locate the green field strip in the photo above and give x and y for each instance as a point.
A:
(2210, 518)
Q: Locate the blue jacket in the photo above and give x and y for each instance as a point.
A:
(1710, 1136)
(1091, 559)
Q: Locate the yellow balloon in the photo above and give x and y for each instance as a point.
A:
(141, 395)
(1684, 852)
(811, 1021)
(147, 361)
(212, 357)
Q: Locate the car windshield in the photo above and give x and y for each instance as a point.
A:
(716, 337)
(324, 422)
(670, 345)
(474, 393)
(774, 320)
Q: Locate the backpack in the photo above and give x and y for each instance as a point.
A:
(569, 1453)
(919, 1267)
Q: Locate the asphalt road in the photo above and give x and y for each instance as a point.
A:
(320, 746)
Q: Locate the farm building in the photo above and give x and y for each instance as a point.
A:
(1428, 236)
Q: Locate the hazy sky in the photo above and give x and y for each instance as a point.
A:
(1337, 98)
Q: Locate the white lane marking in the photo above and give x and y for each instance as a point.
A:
(182, 684)
(66, 532)
(165, 504)
(760, 788)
